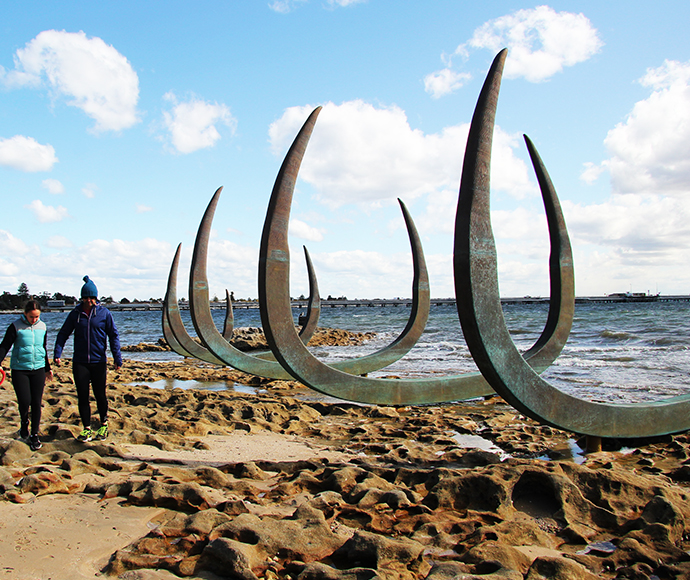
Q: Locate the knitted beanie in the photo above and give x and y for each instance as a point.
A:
(89, 289)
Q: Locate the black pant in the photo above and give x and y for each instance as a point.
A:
(95, 374)
(28, 386)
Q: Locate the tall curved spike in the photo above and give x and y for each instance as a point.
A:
(313, 304)
(170, 339)
(479, 308)
(168, 334)
(176, 334)
(561, 275)
(172, 311)
(201, 315)
(274, 302)
(229, 323)
(310, 321)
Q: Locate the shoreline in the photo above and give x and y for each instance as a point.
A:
(270, 485)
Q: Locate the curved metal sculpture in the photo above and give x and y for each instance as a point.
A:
(274, 302)
(229, 324)
(479, 308)
(182, 343)
(218, 347)
(169, 335)
(174, 331)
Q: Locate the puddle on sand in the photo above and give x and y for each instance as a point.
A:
(476, 442)
(169, 384)
(571, 451)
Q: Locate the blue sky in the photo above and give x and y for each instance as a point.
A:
(118, 121)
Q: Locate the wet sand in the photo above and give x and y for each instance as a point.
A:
(266, 482)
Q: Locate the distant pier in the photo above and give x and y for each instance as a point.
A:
(383, 302)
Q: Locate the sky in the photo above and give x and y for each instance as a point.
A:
(119, 120)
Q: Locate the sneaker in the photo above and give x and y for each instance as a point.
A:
(35, 443)
(85, 435)
(24, 432)
(102, 432)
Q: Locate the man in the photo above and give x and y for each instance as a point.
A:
(93, 327)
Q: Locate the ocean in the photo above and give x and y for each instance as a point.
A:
(629, 352)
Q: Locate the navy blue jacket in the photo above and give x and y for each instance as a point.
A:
(91, 334)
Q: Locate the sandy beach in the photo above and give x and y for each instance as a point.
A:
(271, 482)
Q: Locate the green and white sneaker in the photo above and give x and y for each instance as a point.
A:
(102, 432)
(86, 435)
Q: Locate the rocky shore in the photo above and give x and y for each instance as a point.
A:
(252, 338)
(277, 483)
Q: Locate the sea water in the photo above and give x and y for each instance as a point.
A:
(622, 352)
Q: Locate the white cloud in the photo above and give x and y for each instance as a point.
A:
(91, 74)
(89, 190)
(192, 124)
(47, 213)
(591, 172)
(234, 268)
(444, 81)
(285, 6)
(26, 154)
(540, 42)
(639, 226)
(15, 255)
(364, 274)
(304, 231)
(650, 151)
(53, 186)
(344, 3)
(141, 208)
(58, 242)
(10, 245)
(361, 154)
(119, 268)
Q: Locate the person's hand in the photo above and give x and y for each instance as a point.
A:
(49, 375)
(118, 367)
(57, 362)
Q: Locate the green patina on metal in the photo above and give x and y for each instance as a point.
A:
(274, 303)
(181, 342)
(173, 328)
(481, 316)
(216, 345)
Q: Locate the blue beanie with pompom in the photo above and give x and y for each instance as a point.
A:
(89, 289)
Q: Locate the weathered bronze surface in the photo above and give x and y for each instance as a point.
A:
(479, 308)
(274, 302)
(178, 335)
(229, 324)
(168, 334)
(171, 312)
(182, 343)
(207, 332)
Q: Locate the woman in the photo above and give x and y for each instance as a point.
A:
(27, 336)
(93, 327)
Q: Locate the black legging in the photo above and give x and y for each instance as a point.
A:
(96, 374)
(28, 386)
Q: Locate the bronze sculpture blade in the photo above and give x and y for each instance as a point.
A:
(561, 275)
(171, 314)
(479, 308)
(274, 302)
(313, 303)
(229, 324)
(182, 343)
(169, 335)
(209, 335)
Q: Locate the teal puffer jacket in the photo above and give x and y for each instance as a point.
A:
(29, 351)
